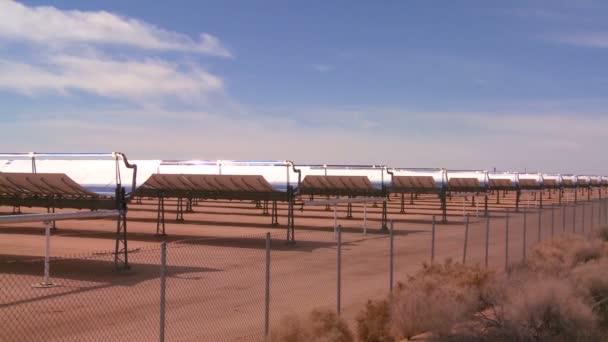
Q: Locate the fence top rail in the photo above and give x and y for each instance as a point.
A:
(25, 218)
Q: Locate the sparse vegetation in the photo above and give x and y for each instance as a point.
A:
(320, 325)
(559, 294)
(437, 297)
(374, 322)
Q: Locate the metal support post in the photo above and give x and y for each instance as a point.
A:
(160, 216)
(121, 253)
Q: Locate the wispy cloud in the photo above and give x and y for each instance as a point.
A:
(103, 76)
(587, 39)
(322, 68)
(516, 141)
(49, 25)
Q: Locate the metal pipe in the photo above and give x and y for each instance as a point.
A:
(23, 218)
(59, 154)
(344, 200)
(298, 171)
(129, 166)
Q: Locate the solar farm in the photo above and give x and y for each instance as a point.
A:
(83, 236)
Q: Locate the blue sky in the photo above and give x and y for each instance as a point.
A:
(472, 84)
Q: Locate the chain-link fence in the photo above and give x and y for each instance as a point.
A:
(240, 288)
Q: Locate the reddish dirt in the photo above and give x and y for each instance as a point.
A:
(216, 258)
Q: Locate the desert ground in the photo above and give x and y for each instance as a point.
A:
(216, 264)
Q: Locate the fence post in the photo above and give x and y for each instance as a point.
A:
(365, 218)
(392, 259)
(339, 282)
(525, 233)
(433, 242)
(46, 279)
(267, 293)
(507, 239)
(552, 220)
(163, 286)
(592, 214)
(466, 241)
(599, 213)
(605, 211)
(540, 218)
(564, 216)
(487, 240)
(574, 206)
(583, 218)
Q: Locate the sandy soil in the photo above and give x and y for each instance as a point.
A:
(216, 258)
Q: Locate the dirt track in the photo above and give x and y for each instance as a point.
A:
(215, 289)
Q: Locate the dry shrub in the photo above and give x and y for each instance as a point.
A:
(603, 233)
(545, 309)
(320, 325)
(592, 278)
(437, 297)
(374, 322)
(562, 254)
(533, 308)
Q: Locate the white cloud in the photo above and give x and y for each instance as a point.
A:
(51, 26)
(587, 39)
(124, 79)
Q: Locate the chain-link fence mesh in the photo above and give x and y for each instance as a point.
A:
(215, 289)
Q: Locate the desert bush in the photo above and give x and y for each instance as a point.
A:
(538, 309)
(374, 322)
(602, 233)
(437, 297)
(559, 256)
(592, 278)
(320, 325)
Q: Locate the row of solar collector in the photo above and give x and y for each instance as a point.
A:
(99, 175)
